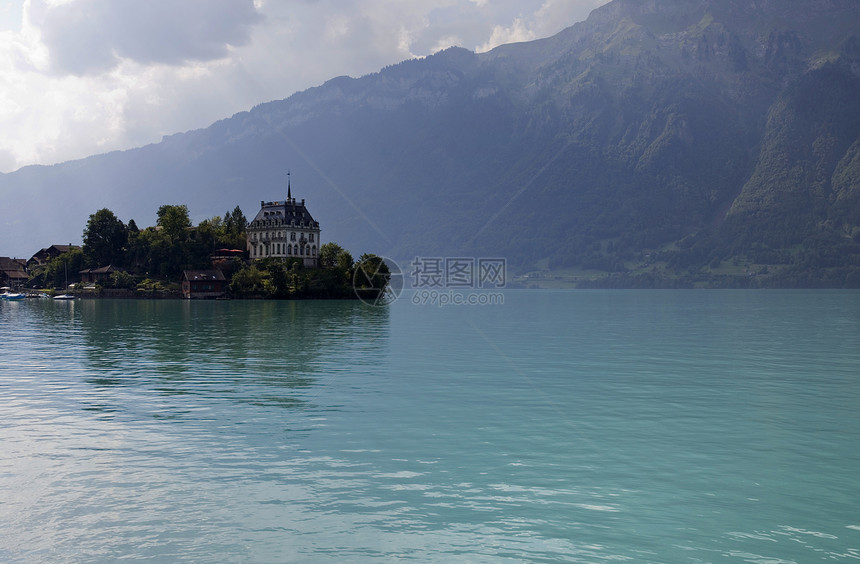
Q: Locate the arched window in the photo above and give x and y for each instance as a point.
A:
(289, 250)
(293, 236)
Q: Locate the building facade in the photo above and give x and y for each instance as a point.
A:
(203, 284)
(96, 275)
(13, 273)
(284, 230)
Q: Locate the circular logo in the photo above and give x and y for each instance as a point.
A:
(377, 280)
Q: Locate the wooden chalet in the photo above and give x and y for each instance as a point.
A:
(203, 284)
(42, 257)
(97, 275)
(13, 272)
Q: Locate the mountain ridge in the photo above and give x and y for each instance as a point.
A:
(672, 130)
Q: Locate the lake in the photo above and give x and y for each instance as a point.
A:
(557, 426)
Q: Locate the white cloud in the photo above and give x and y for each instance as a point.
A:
(519, 31)
(542, 22)
(79, 77)
(553, 12)
(445, 42)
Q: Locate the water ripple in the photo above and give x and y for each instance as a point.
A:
(563, 427)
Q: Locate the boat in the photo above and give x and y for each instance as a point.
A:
(13, 296)
(65, 296)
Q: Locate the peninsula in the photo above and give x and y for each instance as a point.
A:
(277, 255)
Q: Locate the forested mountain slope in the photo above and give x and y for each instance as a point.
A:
(669, 142)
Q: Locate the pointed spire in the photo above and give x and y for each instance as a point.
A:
(289, 195)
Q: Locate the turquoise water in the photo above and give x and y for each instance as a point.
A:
(699, 426)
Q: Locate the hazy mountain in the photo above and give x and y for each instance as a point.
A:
(656, 137)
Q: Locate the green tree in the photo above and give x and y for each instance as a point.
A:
(59, 271)
(249, 282)
(214, 225)
(174, 222)
(280, 280)
(329, 253)
(344, 261)
(235, 222)
(205, 241)
(162, 258)
(371, 273)
(105, 238)
(232, 232)
(138, 253)
(121, 279)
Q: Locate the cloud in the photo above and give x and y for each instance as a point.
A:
(519, 31)
(93, 36)
(7, 159)
(81, 77)
(552, 12)
(542, 22)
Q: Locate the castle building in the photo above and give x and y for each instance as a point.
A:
(286, 230)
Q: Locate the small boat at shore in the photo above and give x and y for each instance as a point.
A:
(64, 297)
(13, 296)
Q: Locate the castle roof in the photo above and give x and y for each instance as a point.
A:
(286, 213)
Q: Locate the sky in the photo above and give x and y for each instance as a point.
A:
(83, 77)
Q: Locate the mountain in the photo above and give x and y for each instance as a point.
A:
(661, 142)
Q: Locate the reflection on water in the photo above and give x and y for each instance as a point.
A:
(163, 430)
(266, 353)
